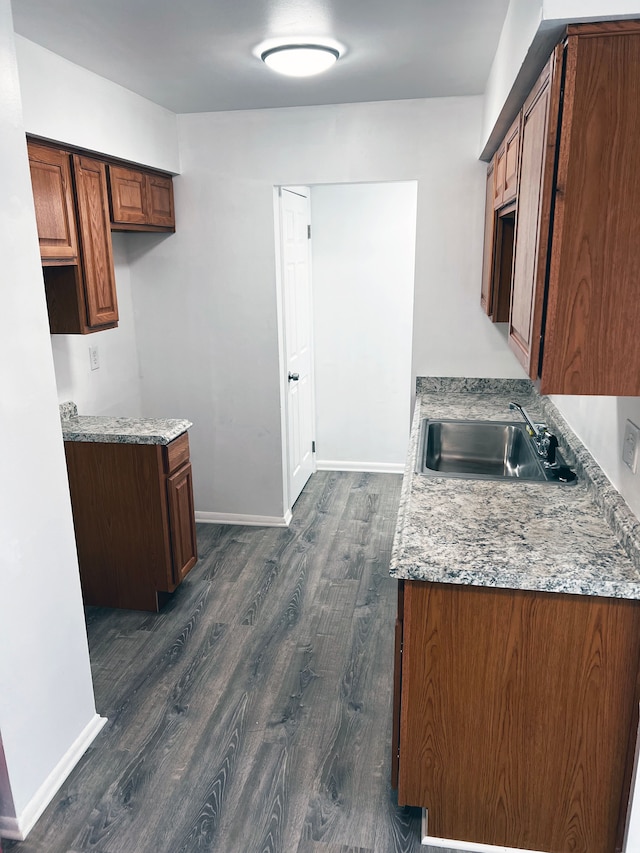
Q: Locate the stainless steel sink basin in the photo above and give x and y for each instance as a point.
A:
(487, 450)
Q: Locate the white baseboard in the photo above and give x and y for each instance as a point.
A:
(469, 846)
(365, 467)
(17, 828)
(247, 520)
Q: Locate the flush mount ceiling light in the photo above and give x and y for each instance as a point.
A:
(300, 60)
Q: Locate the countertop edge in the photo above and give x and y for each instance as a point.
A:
(106, 429)
(408, 562)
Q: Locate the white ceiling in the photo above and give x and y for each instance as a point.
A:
(198, 55)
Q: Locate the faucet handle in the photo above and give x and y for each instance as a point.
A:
(551, 446)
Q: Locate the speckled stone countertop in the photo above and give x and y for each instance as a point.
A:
(579, 538)
(118, 430)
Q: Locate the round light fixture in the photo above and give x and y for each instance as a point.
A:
(300, 60)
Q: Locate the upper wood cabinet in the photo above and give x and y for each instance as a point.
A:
(140, 201)
(95, 230)
(506, 167)
(591, 337)
(574, 307)
(54, 205)
(160, 201)
(77, 198)
(72, 215)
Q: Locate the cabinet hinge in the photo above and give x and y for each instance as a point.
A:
(313, 447)
(308, 232)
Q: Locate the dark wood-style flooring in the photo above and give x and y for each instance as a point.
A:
(253, 714)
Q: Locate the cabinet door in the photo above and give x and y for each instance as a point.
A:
(160, 201)
(592, 340)
(95, 233)
(516, 705)
(53, 200)
(182, 526)
(511, 159)
(498, 176)
(506, 167)
(486, 299)
(128, 195)
(537, 153)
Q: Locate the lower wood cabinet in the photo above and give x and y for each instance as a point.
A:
(516, 715)
(134, 520)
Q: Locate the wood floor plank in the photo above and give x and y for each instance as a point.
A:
(307, 846)
(253, 712)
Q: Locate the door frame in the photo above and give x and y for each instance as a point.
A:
(282, 353)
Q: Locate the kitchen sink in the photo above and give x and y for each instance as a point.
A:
(484, 450)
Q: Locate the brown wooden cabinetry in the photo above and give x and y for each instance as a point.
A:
(72, 214)
(97, 256)
(54, 204)
(75, 207)
(502, 187)
(517, 715)
(506, 167)
(134, 520)
(532, 227)
(140, 201)
(590, 327)
(575, 313)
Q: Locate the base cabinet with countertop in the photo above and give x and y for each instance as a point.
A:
(134, 519)
(517, 657)
(516, 715)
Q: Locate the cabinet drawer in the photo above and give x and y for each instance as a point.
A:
(176, 453)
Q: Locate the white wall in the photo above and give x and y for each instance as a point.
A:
(66, 103)
(576, 10)
(46, 698)
(103, 117)
(363, 251)
(205, 301)
(600, 423)
(114, 388)
(521, 25)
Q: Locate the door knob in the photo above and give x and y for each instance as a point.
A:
(293, 377)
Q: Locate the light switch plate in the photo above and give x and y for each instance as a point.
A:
(630, 446)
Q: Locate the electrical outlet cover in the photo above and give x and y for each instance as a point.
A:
(630, 446)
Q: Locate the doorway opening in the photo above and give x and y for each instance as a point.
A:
(361, 250)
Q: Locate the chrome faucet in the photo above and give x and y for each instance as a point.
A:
(545, 442)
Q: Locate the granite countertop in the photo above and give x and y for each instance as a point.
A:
(580, 538)
(106, 429)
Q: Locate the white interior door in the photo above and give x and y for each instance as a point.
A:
(296, 284)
